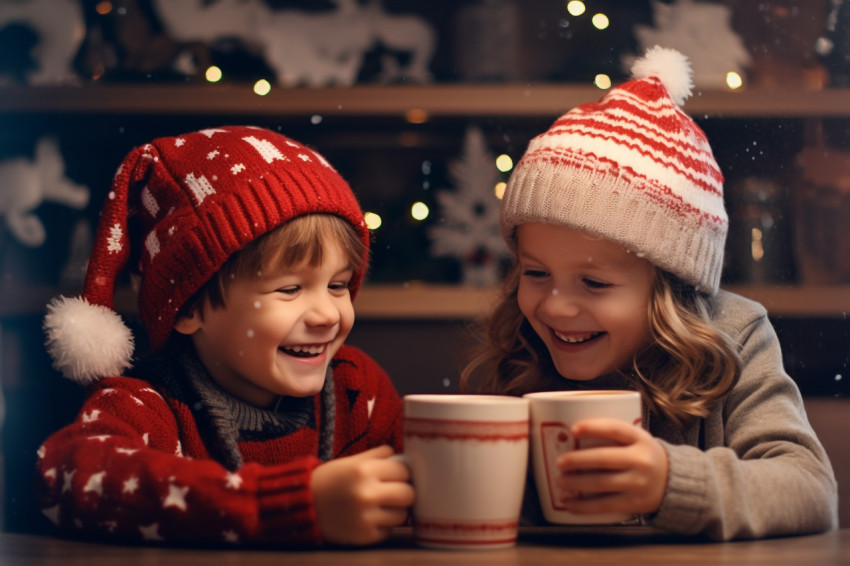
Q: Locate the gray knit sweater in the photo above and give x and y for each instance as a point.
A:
(754, 467)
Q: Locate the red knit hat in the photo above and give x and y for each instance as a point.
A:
(632, 168)
(198, 198)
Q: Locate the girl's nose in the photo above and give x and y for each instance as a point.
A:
(559, 303)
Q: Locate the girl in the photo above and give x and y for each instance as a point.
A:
(615, 215)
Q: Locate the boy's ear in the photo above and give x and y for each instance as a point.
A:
(188, 325)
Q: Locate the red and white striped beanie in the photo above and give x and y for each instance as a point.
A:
(632, 168)
(197, 198)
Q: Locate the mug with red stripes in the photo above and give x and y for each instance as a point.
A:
(468, 457)
(552, 414)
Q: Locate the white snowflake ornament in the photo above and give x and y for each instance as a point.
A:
(469, 223)
(702, 31)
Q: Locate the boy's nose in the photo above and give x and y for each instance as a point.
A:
(322, 312)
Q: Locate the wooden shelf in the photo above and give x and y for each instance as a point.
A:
(417, 300)
(421, 301)
(538, 99)
(429, 301)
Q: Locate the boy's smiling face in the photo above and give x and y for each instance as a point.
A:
(278, 331)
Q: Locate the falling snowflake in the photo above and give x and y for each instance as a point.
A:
(469, 224)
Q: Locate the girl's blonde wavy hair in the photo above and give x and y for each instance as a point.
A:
(686, 368)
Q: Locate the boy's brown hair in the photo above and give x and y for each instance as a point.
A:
(303, 239)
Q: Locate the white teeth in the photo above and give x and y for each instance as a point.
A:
(304, 350)
(576, 339)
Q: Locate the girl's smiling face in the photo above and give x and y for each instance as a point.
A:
(278, 331)
(586, 297)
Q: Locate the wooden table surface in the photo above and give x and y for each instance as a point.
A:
(623, 546)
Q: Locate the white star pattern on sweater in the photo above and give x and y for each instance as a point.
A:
(234, 481)
(127, 451)
(52, 513)
(109, 525)
(150, 532)
(66, 480)
(95, 483)
(130, 485)
(212, 155)
(304, 157)
(41, 452)
(176, 497)
(179, 142)
(238, 168)
(113, 241)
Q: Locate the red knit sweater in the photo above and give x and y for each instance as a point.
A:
(136, 465)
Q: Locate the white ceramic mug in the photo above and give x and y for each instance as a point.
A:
(552, 415)
(468, 457)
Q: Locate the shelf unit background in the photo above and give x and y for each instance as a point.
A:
(412, 315)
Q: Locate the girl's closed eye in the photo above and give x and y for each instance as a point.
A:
(289, 290)
(595, 283)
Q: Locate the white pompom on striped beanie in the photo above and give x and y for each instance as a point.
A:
(197, 199)
(632, 168)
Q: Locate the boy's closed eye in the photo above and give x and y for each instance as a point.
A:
(534, 273)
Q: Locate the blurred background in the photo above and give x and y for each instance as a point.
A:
(423, 106)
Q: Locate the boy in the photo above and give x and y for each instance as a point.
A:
(251, 422)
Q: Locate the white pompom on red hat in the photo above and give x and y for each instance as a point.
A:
(196, 199)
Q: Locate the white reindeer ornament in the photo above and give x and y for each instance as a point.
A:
(312, 49)
(60, 27)
(25, 184)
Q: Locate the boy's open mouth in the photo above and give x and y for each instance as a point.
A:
(303, 351)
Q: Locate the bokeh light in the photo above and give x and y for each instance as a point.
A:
(419, 211)
(373, 221)
(602, 81)
(262, 87)
(600, 21)
(213, 74)
(504, 163)
(416, 116)
(575, 8)
(734, 80)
